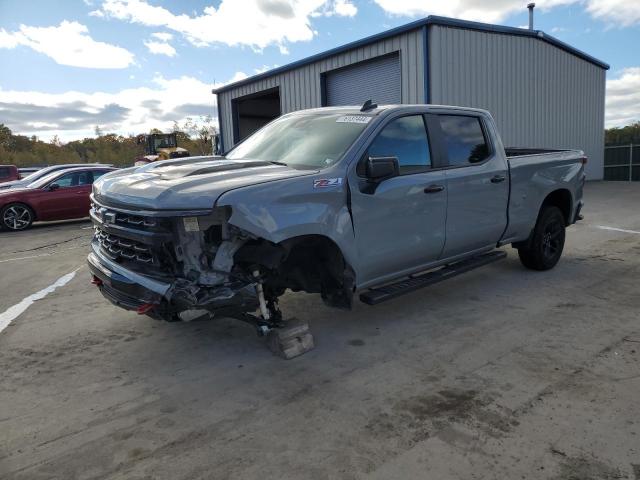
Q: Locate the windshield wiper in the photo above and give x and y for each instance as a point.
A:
(273, 162)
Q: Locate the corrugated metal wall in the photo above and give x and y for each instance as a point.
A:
(540, 95)
(300, 88)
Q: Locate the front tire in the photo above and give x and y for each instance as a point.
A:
(16, 217)
(544, 248)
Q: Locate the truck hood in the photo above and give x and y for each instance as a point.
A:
(186, 184)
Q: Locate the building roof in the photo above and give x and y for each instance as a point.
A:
(430, 20)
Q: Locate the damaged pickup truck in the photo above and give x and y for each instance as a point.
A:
(375, 200)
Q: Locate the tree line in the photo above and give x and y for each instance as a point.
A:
(108, 148)
(623, 135)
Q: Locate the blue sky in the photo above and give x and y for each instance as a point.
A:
(127, 65)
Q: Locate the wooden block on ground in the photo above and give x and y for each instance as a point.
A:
(292, 340)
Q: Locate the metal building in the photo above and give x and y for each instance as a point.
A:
(541, 91)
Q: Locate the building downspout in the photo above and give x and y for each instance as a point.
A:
(425, 48)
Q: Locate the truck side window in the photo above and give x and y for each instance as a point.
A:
(463, 139)
(406, 139)
(4, 172)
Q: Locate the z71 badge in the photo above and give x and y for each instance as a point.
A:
(327, 182)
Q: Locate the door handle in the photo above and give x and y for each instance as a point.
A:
(434, 189)
(498, 178)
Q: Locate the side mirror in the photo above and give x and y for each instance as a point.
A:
(379, 168)
(53, 187)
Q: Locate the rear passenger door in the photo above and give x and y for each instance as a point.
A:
(399, 222)
(477, 185)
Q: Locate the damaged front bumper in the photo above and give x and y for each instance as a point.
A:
(122, 287)
(132, 291)
(152, 265)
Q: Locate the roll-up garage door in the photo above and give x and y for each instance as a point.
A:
(378, 80)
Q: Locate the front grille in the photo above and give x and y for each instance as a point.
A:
(139, 243)
(117, 247)
(135, 220)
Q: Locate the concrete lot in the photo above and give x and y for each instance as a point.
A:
(500, 373)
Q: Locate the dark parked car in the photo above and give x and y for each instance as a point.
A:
(19, 182)
(8, 173)
(58, 196)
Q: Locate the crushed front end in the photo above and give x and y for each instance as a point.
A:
(165, 263)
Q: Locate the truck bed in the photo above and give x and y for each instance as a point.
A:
(533, 173)
(519, 151)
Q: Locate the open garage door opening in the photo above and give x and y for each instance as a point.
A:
(251, 112)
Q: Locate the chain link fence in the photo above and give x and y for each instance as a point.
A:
(622, 162)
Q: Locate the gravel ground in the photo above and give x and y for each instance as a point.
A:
(499, 373)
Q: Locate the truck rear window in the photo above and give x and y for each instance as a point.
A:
(5, 172)
(464, 139)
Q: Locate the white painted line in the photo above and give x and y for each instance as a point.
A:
(614, 229)
(11, 313)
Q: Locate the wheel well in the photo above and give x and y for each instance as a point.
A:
(562, 199)
(310, 263)
(33, 211)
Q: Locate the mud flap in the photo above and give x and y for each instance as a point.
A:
(292, 340)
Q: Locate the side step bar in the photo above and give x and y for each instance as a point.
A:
(414, 282)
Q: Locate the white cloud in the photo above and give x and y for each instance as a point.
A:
(481, 10)
(8, 40)
(72, 115)
(163, 36)
(615, 12)
(623, 98)
(160, 48)
(618, 12)
(345, 8)
(253, 23)
(340, 8)
(68, 44)
(265, 68)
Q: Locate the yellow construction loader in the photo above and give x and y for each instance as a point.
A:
(160, 146)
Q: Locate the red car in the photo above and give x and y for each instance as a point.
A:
(9, 173)
(59, 196)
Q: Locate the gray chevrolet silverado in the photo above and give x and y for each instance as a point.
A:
(374, 200)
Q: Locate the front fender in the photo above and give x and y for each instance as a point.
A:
(280, 210)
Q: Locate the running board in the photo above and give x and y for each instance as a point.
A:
(414, 282)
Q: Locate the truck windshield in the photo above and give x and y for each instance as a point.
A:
(303, 141)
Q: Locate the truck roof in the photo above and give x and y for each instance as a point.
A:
(356, 109)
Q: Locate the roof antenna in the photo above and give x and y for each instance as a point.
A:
(368, 105)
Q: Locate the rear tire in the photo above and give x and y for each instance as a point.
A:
(544, 248)
(16, 217)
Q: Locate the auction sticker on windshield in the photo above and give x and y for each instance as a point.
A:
(353, 119)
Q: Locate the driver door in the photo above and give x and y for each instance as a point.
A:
(62, 203)
(400, 221)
